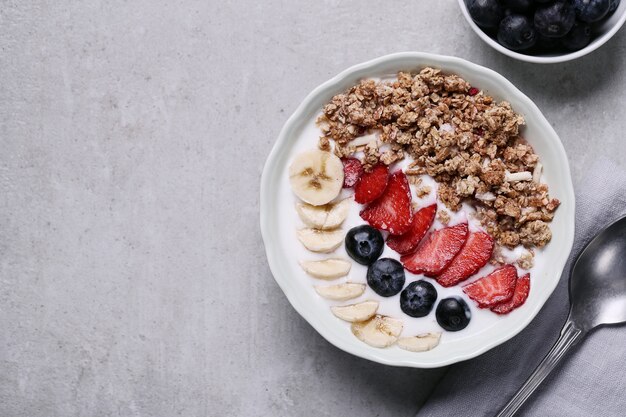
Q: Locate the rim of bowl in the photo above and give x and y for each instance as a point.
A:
(274, 258)
(598, 42)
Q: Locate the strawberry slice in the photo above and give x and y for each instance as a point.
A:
(352, 171)
(437, 251)
(392, 211)
(473, 256)
(493, 289)
(422, 220)
(522, 288)
(371, 185)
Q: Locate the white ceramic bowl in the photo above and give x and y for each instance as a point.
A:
(602, 33)
(300, 292)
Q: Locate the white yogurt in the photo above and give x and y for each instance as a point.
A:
(481, 319)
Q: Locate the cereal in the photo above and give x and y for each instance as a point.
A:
(469, 143)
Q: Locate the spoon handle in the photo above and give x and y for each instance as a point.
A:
(570, 336)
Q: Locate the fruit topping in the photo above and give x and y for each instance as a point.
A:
(473, 256)
(352, 170)
(522, 288)
(341, 292)
(371, 185)
(386, 277)
(320, 240)
(392, 211)
(379, 331)
(364, 244)
(420, 343)
(327, 268)
(494, 288)
(326, 217)
(316, 176)
(356, 312)
(418, 298)
(422, 220)
(453, 314)
(436, 252)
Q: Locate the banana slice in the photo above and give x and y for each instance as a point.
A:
(319, 240)
(327, 268)
(328, 216)
(420, 343)
(356, 312)
(316, 176)
(379, 331)
(338, 214)
(341, 292)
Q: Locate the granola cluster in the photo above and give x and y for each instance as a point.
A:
(470, 144)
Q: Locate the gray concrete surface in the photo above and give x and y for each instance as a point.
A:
(132, 274)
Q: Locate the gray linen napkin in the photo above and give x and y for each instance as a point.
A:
(591, 381)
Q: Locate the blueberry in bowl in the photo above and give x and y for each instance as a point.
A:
(418, 298)
(554, 20)
(578, 37)
(386, 277)
(544, 31)
(613, 7)
(519, 6)
(591, 10)
(364, 244)
(516, 32)
(453, 314)
(486, 13)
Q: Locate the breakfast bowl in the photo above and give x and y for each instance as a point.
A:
(285, 246)
(600, 32)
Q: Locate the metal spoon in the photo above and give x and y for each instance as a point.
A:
(597, 293)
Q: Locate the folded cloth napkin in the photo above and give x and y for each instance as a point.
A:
(591, 381)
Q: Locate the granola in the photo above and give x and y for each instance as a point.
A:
(469, 143)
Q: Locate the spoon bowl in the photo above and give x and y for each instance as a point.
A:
(597, 292)
(597, 287)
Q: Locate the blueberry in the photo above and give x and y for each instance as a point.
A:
(554, 21)
(386, 277)
(544, 1)
(578, 37)
(591, 10)
(614, 5)
(364, 244)
(516, 32)
(486, 13)
(418, 298)
(547, 44)
(453, 314)
(519, 6)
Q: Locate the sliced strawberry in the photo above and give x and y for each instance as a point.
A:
(522, 288)
(352, 171)
(473, 256)
(493, 289)
(392, 211)
(437, 251)
(422, 220)
(371, 185)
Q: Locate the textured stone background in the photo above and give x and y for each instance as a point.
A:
(133, 280)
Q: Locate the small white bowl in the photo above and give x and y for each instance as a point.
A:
(602, 33)
(279, 245)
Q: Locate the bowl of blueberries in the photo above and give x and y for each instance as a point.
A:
(545, 31)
